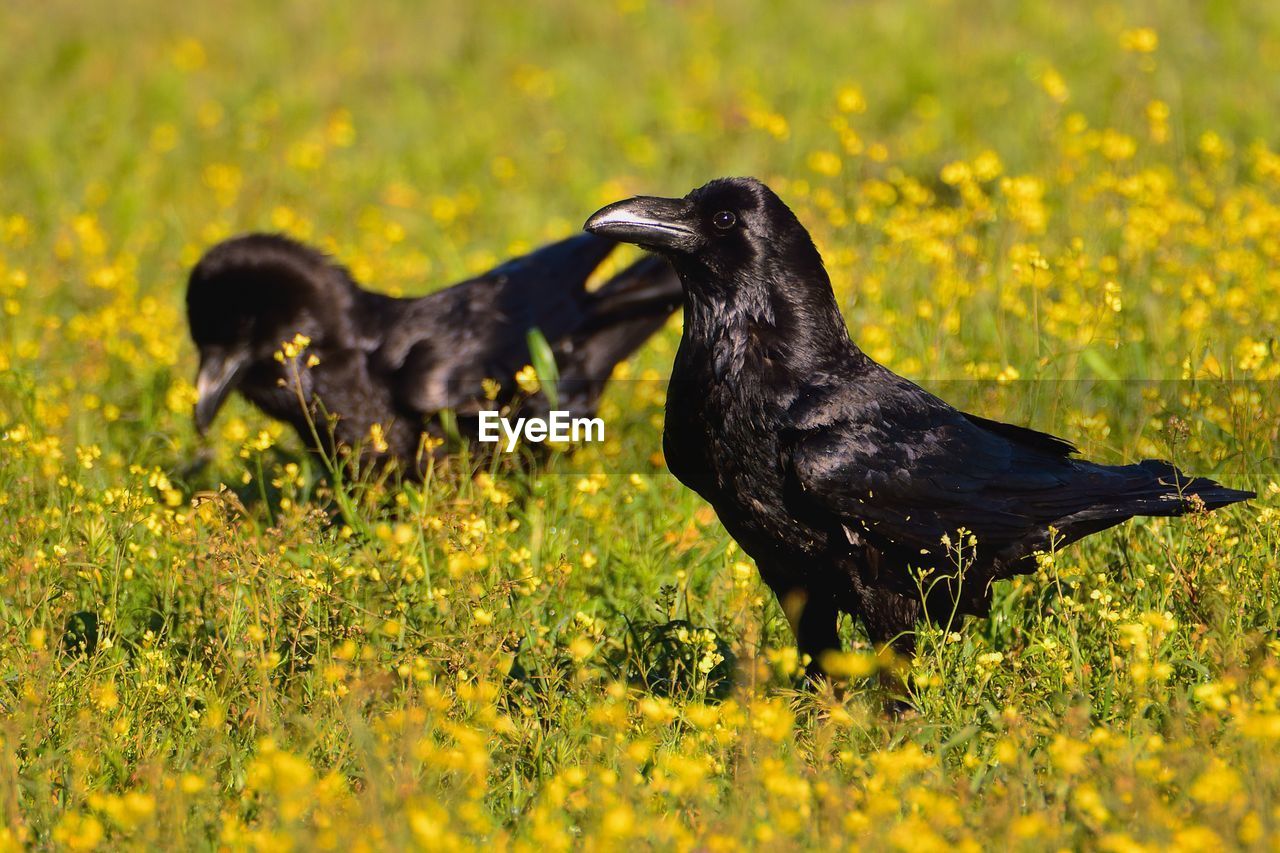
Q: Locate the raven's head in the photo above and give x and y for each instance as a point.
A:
(247, 298)
(727, 232)
(742, 257)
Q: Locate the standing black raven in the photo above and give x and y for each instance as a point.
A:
(374, 362)
(841, 479)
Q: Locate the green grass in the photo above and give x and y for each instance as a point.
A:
(517, 660)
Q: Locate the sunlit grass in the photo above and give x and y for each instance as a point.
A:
(1054, 214)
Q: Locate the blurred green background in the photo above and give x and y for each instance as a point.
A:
(1063, 214)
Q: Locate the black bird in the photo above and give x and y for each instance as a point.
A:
(841, 479)
(398, 363)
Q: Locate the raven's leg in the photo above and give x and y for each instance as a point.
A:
(813, 612)
(891, 619)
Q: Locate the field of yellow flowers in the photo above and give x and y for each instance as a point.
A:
(1060, 214)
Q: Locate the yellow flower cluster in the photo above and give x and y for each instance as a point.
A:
(230, 643)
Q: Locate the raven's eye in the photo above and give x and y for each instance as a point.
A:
(724, 220)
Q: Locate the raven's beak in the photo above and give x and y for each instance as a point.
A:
(661, 224)
(218, 375)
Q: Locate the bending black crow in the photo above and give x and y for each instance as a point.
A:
(397, 363)
(841, 479)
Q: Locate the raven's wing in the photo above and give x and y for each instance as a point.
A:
(622, 314)
(438, 349)
(904, 469)
(898, 466)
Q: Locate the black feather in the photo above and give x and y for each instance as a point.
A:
(840, 478)
(398, 363)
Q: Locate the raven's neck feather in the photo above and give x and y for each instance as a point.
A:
(788, 316)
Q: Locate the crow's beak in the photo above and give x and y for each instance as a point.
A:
(661, 224)
(218, 374)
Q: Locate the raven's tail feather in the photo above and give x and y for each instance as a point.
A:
(571, 260)
(622, 314)
(1153, 488)
(1161, 489)
(649, 286)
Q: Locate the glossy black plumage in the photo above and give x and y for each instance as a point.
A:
(398, 363)
(840, 478)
